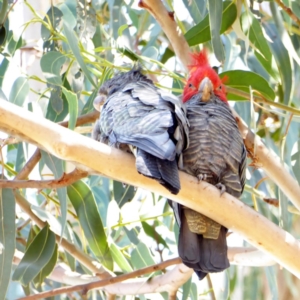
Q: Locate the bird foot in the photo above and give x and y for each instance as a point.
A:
(201, 177)
(221, 187)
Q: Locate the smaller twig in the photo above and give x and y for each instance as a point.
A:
(288, 11)
(212, 293)
(29, 166)
(81, 120)
(272, 201)
(65, 180)
(172, 296)
(9, 141)
(82, 257)
(108, 281)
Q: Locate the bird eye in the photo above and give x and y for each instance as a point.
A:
(190, 85)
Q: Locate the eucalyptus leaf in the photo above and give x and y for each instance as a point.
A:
(83, 201)
(7, 238)
(215, 22)
(73, 43)
(51, 65)
(243, 80)
(19, 91)
(73, 107)
(141, 256)
(47, 269)
(201, 32)
(122, 193)
(36, 257)
(56, 165)
(119, 258)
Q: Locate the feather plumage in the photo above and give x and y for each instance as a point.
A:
(137, 113)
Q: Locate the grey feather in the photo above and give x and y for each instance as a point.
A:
(139, 114)
(216, 149)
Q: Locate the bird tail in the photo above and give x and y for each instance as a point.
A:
(164, 171)
(204, 255)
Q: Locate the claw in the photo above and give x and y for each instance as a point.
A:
(202, 177)
(221, 187)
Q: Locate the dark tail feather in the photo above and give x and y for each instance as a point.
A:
(164, 171)
(201, 254)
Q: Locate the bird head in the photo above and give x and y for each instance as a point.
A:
(203, 79)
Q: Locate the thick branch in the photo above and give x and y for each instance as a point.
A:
(65, 180)
(261, 156)
(69, 145)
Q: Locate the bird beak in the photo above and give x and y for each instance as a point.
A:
(206, 88)
(99, 101)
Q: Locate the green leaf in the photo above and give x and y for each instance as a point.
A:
(122, 193)
(150, 231)
(106, 74)
(73, 107)
(194, 291)
(73, 43)
(201, 32)
(36, 257)
(53, 221)
(253, 29)
(186, 289)
(51, 65)
(4, 10)
(19, 91)
(119, 258)
(20, 160)
(242, 80)
(83, 201)
(13, 41)
(47, 269)
(295, 159)
(68, 9)
(2, 35)
(196, 8)
(56, 101)
(3, 68)
(271, 274)
(56, 166)
(122, 28)
(282, 56)
(141, 256)
(55, 16)
(269, 65)
(7, 238)
(215, 22)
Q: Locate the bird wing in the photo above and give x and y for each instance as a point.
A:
(139, 115)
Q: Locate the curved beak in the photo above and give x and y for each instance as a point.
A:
(99, 101)
(206, 88)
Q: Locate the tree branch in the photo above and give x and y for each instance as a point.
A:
(81, 120)
(65, 180)
(261, 156)
(71, 146)
(289, 12)
(173, 286)
(167, 22)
